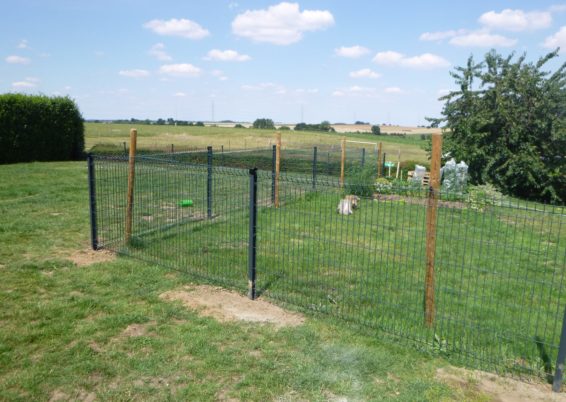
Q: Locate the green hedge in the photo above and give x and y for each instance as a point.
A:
(39, 128)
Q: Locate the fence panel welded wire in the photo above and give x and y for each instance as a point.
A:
(499, 263)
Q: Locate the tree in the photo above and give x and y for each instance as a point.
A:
(264, 123)
(376, 130)
(507, 120)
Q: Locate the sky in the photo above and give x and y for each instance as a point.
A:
(341, 61)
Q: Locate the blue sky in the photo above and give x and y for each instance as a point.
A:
(376, 61)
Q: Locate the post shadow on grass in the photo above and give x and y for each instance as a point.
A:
(547, 363)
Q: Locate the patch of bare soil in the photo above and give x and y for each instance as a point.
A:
(500, 389)
(225, 305)
(134, 330)
(83, 258)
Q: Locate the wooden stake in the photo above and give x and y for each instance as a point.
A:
(431, 228)
(342, 162)
(398, 162)
(131, 176)
(277, 166)
(379, 161)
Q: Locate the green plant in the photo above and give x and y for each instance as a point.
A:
(506, 120)
(482, 196)
(360, 181)
(375, 130)
(39, 128)
(266, 124)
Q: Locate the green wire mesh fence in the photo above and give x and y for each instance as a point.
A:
(499, 263)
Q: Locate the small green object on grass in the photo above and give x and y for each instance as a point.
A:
(186, 203)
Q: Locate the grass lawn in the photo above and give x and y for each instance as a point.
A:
(63, 332)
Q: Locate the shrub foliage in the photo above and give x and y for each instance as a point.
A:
(507, 120)
(39, 128)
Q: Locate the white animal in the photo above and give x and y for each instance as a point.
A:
(348, 204)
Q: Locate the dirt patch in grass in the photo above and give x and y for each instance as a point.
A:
(225, 305)
(478, 384)
(134, 330)
(83, 258)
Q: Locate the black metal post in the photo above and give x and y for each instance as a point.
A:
(383, 166)
(314, 159)
(92, 202)
(172, 148)
(209, 183)
(559, 371)
(125, 148)
(363, 157)
(252, 235)
(273, 157)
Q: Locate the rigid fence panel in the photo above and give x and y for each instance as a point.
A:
(186, 217)
(499, 270)
(499, 264)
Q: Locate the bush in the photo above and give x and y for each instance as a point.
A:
(39, 128)
(360, 181)
(199, 124)
(284, 128)
(239, 126)
(375, 130)
(264, 124)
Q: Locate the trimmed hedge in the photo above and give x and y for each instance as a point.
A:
(39, 128)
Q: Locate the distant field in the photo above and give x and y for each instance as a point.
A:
(187, 137)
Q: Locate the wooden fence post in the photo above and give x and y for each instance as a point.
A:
(277, 166)
(131, 177)
(432, 203)
(398, 162)
(379, 162)
(342, 162)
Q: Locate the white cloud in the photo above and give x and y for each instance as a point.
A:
(232, 5)
(29, 82)
(516, 20)
(557, 8)
(441, 35)
(442, 92)
(393, 90)
(179, 94)
(338, 93)
(281, 24)
(23, 44)
(364, 73)
(423, 61)
(219, 74)
(351, 52)
(306, 91)
(557, 40)
(17, 60)
(135, 73)
(226, 55)
(177, 27)
(482, 39)
(158, 51)
(265, 86)
(180, 70)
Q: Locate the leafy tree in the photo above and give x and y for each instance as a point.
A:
(199, 124)
(324, 126)
(507, 120)
(264, 123)
(375, 130)
(239, 126)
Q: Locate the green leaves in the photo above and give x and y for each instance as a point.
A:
(507, 121)
(39, 128)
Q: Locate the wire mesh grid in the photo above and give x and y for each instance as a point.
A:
(499, 263)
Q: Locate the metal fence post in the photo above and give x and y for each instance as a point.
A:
(125, 149)
(252, 235)
(209, 183)
(559, 371)
(363, 157)
(383, 166)
(273, 157)
(314, 167)
(92, 202)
